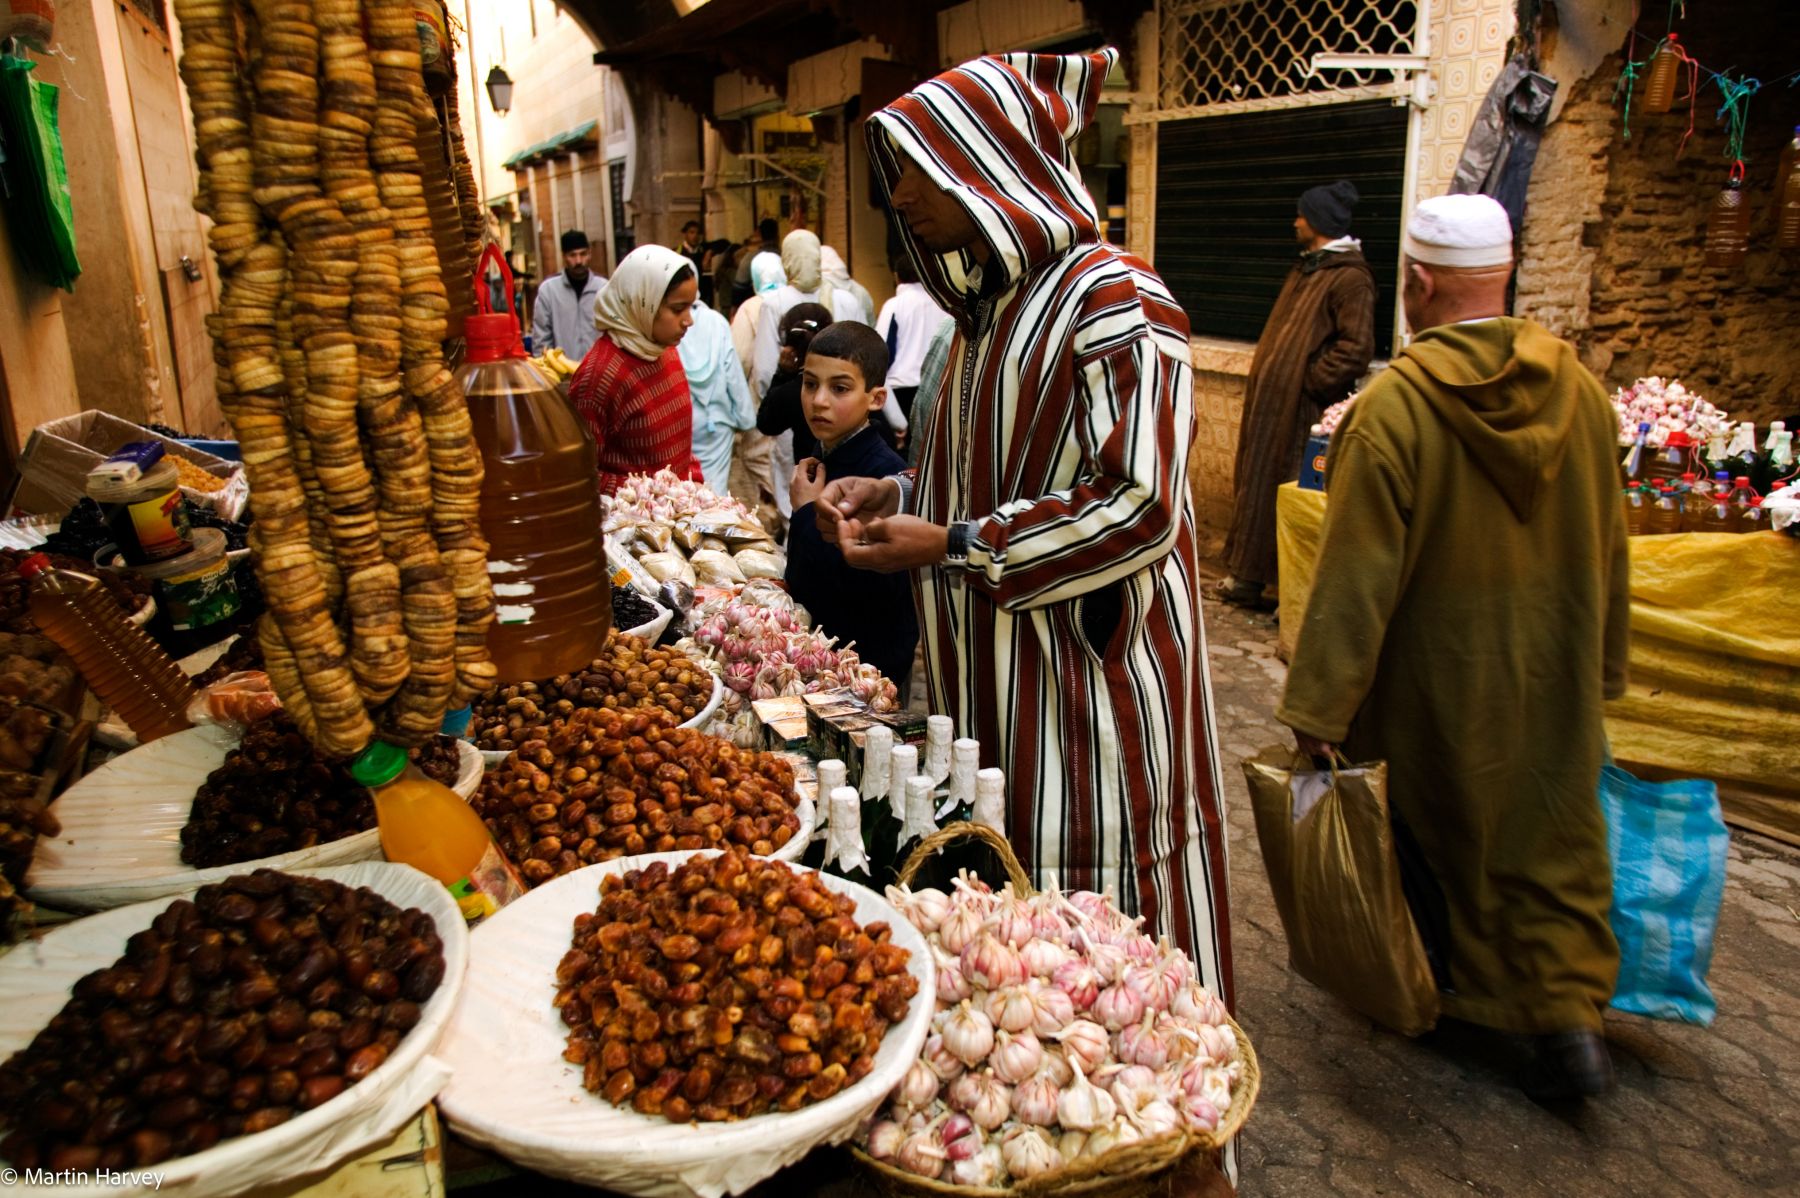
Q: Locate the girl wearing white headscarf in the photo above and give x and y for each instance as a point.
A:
(631, 388)
(831, 266)
(766, 277)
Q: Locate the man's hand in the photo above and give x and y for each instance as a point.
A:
(860, 499)
(808, 481)
(890, 544)
(1312, 746)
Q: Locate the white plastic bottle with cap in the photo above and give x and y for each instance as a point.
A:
(903, 763)
(965, 760)
(939, 731)
(990, 799)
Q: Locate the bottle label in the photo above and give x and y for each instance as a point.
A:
(489, 886)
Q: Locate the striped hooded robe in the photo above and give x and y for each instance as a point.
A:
(1070, 643)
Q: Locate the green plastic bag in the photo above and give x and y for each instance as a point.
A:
(38, 206)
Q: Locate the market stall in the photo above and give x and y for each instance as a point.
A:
(1715, 658)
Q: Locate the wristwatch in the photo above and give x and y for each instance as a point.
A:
(956, 550)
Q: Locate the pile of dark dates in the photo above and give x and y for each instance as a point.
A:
(265, 996)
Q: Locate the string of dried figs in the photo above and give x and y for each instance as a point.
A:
(726, 988)
(629, 674)
(264, 996)
(609, 784)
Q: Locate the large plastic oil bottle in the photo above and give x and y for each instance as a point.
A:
(128, 670)
(540, 506)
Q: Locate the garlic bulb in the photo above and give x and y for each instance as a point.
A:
(960, 1138)
(1042, 958)
(1197, 1113)
(1086, 1044)
(1013, 925)
(1118, 1007)
(885, 1138)
(968, 1033)
(1034, 1100)
(1016, 1056)
(983, 1170)
(1133, 1087)
(991, 963)
(985, 1098)
(944, 1063)
(1055, 1009)
(1056, 1067)
(952, 986)
(918, 1088)
(1142, 1044)
(1028, 1152)
(921, 1154)
(1070, 1144)
(1157, 1118)
(1077, 979)
(1012, 1008)
(959, 928)
(1084, 1106)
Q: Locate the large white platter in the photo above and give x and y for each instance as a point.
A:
(121, 828)
(512, 1092)
(37, 977)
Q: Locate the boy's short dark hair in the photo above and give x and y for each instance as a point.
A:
(693, 224)
(854, 341)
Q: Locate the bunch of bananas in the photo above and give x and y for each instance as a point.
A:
(557, 366)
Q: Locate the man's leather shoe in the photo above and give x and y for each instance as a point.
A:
(1568, 1065)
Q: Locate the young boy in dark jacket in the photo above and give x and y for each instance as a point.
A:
(841, 388)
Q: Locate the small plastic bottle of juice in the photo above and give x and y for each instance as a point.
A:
(428, 826)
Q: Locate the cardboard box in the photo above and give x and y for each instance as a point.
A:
(837, 725)
(783, 722)
(54, 466)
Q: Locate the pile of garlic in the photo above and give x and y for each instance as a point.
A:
(1062, 1031)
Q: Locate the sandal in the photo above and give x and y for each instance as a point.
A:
(1239, 593)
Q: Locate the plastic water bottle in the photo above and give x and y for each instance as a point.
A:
(1635, 513)
(1665, 513)
(1715, 513)
(1665, 73)
(1787, 182)
(1742, 497)
(1753, 518)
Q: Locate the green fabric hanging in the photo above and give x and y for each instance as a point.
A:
(38, 207)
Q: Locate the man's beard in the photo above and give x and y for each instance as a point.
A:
(577, 276)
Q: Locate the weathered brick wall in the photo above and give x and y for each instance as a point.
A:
(1220, 368)
(1613, 249)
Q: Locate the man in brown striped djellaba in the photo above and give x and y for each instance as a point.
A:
(1318, 341)
(1049, 528)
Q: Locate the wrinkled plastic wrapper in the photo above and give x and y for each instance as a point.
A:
(1328, 845)
(37, 977)
(716, 569)
(235, 702)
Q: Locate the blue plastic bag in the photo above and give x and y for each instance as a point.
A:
(1668, 844)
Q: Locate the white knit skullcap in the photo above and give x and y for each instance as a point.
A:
(1460, 230)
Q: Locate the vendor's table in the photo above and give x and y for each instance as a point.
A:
(1715, 659)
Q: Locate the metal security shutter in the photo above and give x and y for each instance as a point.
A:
(1225, 193)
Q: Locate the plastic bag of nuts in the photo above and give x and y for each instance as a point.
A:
(628, 674)
(609, 784)
(727, 987)
(264, 996)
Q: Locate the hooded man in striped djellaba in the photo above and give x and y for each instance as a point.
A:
(1050, 523)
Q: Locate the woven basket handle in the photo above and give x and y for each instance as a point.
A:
(949, 834)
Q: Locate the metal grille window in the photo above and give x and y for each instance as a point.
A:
(1226, 54)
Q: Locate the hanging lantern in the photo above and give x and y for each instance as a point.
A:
(1665, 70)
(1728, 228)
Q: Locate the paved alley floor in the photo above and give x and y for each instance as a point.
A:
(1349, 1109)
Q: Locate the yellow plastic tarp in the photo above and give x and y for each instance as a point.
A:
(1715, 659)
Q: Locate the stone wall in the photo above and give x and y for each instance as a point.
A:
(1613, 249)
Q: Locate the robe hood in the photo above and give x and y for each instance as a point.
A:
(996, 134)
(800, 258)
(1507, 389)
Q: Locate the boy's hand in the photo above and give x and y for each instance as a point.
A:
(808, 481)
(890, 544)
(860, 499)
(790, 359)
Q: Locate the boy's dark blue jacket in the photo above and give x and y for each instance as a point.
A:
(874, 610)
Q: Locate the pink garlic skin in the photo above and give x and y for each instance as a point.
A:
(1141, 1045)
(991, 963)
(1034, 1101)
(918, 1088)
(1028, 1152)
(1014, 924)
(969, 1034)
(1056, 1067)
(885, 1138)
(1134, 1086)
(921, 1154)
(1042, 958)
(1055, 1010)
(1118, 1007)
(1198, 1113)
(1078, 980)
(1086, 1044)
(1012, 1008)
(1016, 1057)
(941, 1061)
(983, 1170)
(959, 928)
(952, 986)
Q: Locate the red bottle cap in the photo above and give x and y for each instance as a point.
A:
(1743, 482)
(492, 336)
(34, 565)
(1677, 439)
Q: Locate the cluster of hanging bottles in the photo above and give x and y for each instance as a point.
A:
(1666, 493)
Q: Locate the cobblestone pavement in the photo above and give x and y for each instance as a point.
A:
(1349, 1109)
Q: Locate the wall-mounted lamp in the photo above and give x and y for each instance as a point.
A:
(499, 90)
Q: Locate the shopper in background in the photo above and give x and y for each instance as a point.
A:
(1318, 341)
(1468, 616)
(841, 393)
(831, 266)
(801, 260)
(631, 388)
(782, 413)
(755, 484)
(563, 315)
(907, 323)
(1050, 525)
(721, 394)
(769, 233)
(695, 252)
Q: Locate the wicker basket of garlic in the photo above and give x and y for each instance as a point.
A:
(1070, 1054)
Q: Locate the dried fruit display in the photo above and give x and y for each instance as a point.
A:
(629, 674)
(273, 794)
(245, 653)
(439, 759)
(131, 590)
(727, 987)
(23, 818)
(608, 784)
(365, 478)
(264, 996)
